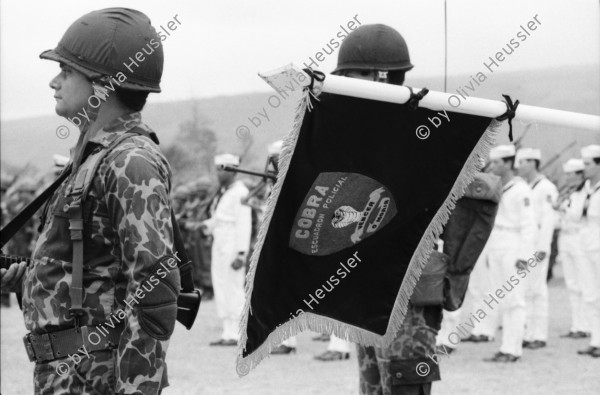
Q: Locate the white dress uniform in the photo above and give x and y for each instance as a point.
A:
(480, 285)
(512, 238)
(590, 243)
(545, 195)
(231, 227)
(571, 257)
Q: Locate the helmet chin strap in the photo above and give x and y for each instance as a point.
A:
(92, 114)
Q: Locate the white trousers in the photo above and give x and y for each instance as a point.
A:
(337, 344)
(536, 302)
(571, 258)
(450, 324)
(591, 292)
(480, 285)
(228, 284)
(502, 257)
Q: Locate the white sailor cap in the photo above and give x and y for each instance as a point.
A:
(60, 160)
(227, 159)
(502, 151)
(529, 153)
(573, 165)
(275, 148)
(590, 151)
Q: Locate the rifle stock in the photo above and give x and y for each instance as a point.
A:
(188, 303)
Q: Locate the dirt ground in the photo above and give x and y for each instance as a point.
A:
(196, 368)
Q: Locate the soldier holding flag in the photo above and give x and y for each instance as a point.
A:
(379, 53)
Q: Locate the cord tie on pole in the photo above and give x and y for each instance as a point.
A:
(511, 110)
(415, 98)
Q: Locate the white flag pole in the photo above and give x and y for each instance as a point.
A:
(281, 79)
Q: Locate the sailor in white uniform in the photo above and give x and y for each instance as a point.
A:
(570, 249)
(231, 227)
(544, 197)
(590, 242)
(509, 248)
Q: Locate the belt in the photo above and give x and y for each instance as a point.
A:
(60, 344)
(569, 231)
(506, 228)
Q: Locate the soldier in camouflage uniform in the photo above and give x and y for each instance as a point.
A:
(409, 365)
(379, 53)
(127, 227)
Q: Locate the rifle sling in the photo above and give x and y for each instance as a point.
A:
(29, 211)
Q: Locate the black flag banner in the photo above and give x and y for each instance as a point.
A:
(362, 194)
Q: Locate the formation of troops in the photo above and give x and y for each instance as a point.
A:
(530, 210)
(108, 224)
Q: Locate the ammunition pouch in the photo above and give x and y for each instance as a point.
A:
(429, 290)
(413, 371)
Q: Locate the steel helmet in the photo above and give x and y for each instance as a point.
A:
(373, 47)
(105, 43)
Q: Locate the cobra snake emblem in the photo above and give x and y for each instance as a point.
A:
(344, 216)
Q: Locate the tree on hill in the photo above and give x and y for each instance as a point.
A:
(191, 154)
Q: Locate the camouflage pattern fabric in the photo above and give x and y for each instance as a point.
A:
(127, 229)
(378, 373)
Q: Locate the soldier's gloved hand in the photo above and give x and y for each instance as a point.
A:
(239, 262)
(11, 278)
(521, 264)
(540, 255)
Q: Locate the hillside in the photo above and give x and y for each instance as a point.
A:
(573, 89)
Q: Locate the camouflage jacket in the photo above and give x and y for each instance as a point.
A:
(127, 229)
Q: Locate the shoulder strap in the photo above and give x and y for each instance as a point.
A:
(29, 211)
(535, 184)
(80, 190)
(588, 198)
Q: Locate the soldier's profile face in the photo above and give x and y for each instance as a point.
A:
(498, 167)
(591, 168)
(525, 167)
(223, 176)
(572, 178)
(72, 91)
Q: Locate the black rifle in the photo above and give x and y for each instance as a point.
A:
(189, 299)
(188, 303)
(557, 156)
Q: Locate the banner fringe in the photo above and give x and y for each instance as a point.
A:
(309, 321)
(244, 365)
(419, 259)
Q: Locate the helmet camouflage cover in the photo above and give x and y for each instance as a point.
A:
(373, 47)
(106, 43)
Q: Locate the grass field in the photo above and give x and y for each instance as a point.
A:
(196, 368)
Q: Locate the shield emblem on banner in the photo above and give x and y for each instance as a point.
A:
(339, 211)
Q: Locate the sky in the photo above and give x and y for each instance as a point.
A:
(220, 46)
